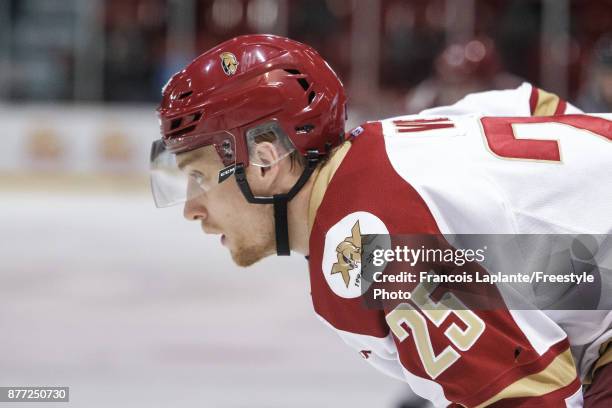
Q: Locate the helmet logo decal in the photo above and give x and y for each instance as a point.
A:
(349, 254)
(229, 63)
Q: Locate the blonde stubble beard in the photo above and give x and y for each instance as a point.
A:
(252, 247)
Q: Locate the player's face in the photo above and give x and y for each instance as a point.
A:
(247, 230)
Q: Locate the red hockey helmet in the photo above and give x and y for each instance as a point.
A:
(246, 86)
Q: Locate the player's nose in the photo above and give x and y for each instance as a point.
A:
(194, 210)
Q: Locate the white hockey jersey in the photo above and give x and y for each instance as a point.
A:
(466, 174)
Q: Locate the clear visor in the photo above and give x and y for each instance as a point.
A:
(176, 178)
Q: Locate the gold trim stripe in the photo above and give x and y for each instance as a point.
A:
(605, 357)
(547, 104)
(322, 179)
(558, 374)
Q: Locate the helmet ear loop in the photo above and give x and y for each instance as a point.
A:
(281, 224)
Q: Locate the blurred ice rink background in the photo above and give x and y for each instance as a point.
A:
(131, 306)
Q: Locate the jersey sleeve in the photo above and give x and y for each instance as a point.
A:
(470, 357)
(526, 100)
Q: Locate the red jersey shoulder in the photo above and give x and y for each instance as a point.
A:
(365, 181)
(365, 196)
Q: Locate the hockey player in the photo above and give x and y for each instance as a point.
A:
(253, 143)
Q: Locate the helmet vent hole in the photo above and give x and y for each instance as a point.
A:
(185, 94)
(302, 81)
(175, 123)
(300, 130)
(182, 132)
(311, 96)
(196, 116)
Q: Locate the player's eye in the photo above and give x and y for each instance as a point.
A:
(198, 177)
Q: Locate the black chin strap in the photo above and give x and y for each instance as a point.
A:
(279, 201)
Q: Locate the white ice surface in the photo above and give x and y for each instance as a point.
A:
(132, 306)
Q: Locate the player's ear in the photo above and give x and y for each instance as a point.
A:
(265, 177)
(265, 153)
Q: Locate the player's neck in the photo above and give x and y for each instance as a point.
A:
(297, 217)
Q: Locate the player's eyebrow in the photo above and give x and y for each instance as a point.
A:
(183, 163)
